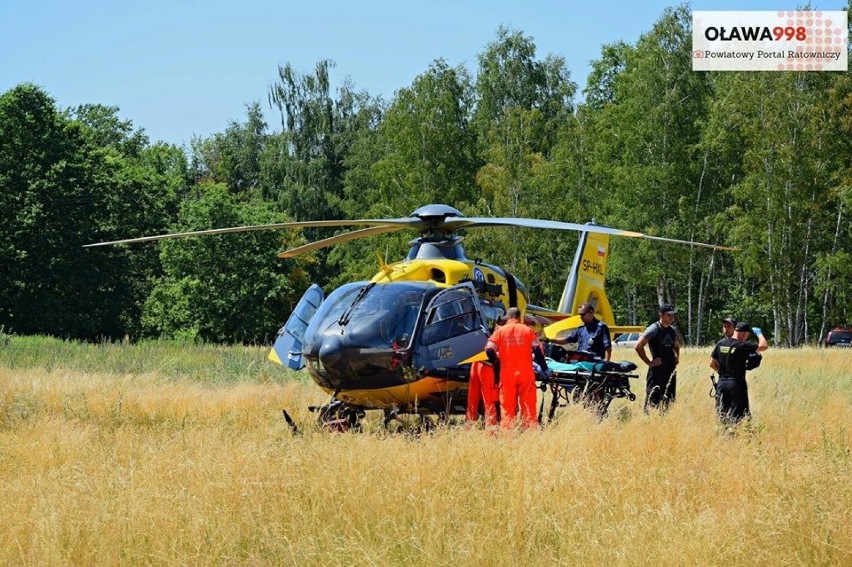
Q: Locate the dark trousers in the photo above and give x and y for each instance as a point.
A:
(732, 399)
(661, 387)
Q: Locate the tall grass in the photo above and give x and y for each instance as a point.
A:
(169, 359)
(127, 457)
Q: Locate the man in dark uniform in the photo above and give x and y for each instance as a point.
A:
(592, 336)
(663, 340)
(729, 360)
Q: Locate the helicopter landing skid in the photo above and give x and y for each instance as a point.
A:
(338, 416)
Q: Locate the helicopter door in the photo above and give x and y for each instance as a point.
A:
(453, 328)
(287, 349)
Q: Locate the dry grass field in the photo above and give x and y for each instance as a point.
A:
(161, 454)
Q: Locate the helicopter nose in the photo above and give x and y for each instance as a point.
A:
(332, 356)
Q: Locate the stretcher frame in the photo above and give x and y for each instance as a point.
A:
(592, 383)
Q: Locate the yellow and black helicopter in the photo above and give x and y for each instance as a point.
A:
(402, 342)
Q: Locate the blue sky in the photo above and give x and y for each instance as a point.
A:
(184, 68)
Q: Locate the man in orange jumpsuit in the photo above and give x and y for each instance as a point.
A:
(482, 388)
(514, 345)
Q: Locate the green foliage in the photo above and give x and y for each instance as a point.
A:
(306, 163)
(601, 83)
(105, 130)
(234, 157)
(783, 209)
(319, 128)
(225, 288)
(643, 121)
(65, 183)
(833, 274)
(430, 148)
(422, 151)
(523, 106)
(511, 78)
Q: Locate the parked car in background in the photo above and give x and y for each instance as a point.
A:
(626, 340)
(839, 336)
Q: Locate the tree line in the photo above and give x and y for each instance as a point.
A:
(760, 161)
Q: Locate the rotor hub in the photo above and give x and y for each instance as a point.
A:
(436, 213)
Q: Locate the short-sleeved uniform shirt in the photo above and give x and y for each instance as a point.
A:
(732, 356)
(514, 342)
(593, 337)
(662, 341)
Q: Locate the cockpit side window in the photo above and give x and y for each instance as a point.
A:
(491, 313)
(401, 310)
(455, 315)
(405, 327)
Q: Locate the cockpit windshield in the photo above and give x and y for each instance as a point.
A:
(372, 315)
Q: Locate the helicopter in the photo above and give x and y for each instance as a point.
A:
(403, 341)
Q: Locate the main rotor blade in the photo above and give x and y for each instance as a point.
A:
(346, 237)
(473, 222)
(690, 242)
(396, 223)
(380, 226)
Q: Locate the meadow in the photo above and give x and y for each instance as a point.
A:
(161, 453)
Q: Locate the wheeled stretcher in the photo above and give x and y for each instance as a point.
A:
(579, 377)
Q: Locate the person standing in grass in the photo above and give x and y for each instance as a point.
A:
(729, 359)
(484, 388)
(514, 346)
(662, 338)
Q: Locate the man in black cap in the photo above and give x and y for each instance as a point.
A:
(662, 338)
(729, 358)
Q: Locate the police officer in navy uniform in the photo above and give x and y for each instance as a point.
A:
(592, 336)
(662, 338)
(729, 359)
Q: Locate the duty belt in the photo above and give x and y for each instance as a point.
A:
(715, 383)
